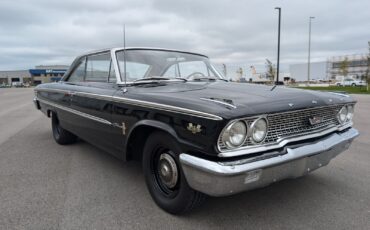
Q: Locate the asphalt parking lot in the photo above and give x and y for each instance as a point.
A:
(47, 186)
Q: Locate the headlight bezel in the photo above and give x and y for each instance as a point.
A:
(254, 125)
(350, 112)
(248, 137)
(225, 134)
(348, 116)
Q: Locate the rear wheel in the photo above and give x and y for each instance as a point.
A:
(164, 178)
(353, 84)
(61, 136)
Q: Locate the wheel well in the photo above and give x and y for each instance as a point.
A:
(48, 112)
(136, 141)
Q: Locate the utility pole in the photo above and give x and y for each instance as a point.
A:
(309, 51)
(278, 53)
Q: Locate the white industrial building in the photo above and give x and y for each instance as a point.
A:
(299, 72)
(330, 69)
(357, 66)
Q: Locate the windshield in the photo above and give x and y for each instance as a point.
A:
(142, 64)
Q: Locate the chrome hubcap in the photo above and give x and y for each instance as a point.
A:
(168, 170)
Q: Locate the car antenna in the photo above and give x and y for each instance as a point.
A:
(124, 56)
(276, 83)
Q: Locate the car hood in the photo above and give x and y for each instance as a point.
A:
(232, 100)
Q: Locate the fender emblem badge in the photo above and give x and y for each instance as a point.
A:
(194, 128)
(315, 120)
(123, 128)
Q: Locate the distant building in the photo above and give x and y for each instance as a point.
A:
(40, 74)
(8, 77)
(47, 73)
(317, 71)
(357, 66)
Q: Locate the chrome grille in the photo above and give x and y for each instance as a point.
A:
(292, 124)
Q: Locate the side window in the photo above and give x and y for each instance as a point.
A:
(98, 68)
(78, 73)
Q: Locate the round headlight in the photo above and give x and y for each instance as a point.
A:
(342, 115)
(235, 134)
(259, 130)
(350, 112)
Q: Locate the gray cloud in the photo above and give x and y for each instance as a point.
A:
(233, 32)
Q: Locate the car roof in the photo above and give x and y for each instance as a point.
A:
(139, 48)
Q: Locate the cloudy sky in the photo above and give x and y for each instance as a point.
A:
(232, 32)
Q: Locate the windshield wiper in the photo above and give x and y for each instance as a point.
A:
(204, 78)
(153, 79)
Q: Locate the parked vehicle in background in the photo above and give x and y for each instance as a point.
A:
(17, 84)
(195, 133)
(5, 85)
(351, 82)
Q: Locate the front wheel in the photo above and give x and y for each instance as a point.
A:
(164, 178)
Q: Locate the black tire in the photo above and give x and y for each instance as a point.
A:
(61, 136)
(353, 85)
(178, 199)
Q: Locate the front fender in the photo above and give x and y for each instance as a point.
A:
(158, 125)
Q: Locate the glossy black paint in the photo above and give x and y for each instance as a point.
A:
(102, 100)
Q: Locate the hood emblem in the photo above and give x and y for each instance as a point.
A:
(315, 120)
(314, 102)
(194, 128)
(291, 104)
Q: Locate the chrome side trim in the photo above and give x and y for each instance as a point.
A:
(94, 118)
(147, 104)
(281, 143)
(53, 90)
(153, 105)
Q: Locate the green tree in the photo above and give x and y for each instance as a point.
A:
(270, 70)
(343, 67)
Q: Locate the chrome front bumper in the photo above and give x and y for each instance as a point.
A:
(222, 179)
(36, 103)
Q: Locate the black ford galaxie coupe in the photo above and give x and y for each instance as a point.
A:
(195, 133)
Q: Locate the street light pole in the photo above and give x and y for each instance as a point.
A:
(309, 51)
(278, 53)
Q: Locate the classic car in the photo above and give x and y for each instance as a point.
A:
(196, 134)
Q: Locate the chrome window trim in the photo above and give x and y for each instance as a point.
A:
(147, 104)
(120, 80)
(113, 51)
(94, 118)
